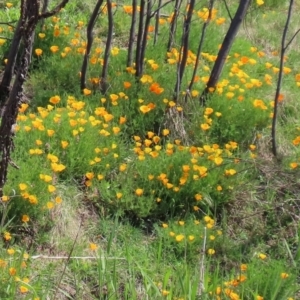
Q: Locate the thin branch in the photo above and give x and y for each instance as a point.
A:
(290, 41)
(160, 7)
(54, 11)
(74, 257)
(227, 9)
(185, 48)
(132, 34)
(279, 81)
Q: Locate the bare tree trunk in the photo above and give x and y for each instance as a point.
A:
(28, 22)
(284, 47)
(173, 25)
(199, 50)
(157, 22)
(225, 48)
(103, 82)
(145, 36)
(185, 48)
(132, 34)
(30, 16)
(139, 40)
(10, 66)
(90, 38)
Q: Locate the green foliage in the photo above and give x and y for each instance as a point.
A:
(149, 180)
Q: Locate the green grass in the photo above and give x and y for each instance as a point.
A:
(115, 199)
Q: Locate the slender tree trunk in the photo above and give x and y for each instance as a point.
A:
(185, 48)
(132, 34)
(225, 48)
(199, 50)
(145, 36)
(90, 38)
(157, 22)
(103, 82)
(172, 32)
(139, 40)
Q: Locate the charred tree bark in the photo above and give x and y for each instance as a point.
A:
(90, 39)
(225, 48)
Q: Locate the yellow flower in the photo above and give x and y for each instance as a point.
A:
(64, 144)
(22, 186)
(262, 256)
(284, 275)
(164, 225)
(50, 205)
(165, 293)
(23, 289)
(9, 4)
(179, 238)
(230, 172)
(12, 271)
(123, 167)
(114, 51)
(87, 92)
(243, 267)
(204, 126)
(198, 197)
(139, 192)
(93, 247)
(51, 188)
(25, 218)
(7, 236)
(58, 200)
(38, 51)
(165, 132)
(54, 49)
(57, 167)
(42, 35)
(10, 251)
(5, 198)
(191, 238)
(54, 100)
(211, 251)
(181, 223)
(218, 160)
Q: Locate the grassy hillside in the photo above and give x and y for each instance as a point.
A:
(133, 194)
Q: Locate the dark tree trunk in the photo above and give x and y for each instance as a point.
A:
(185, 48)
(225, 48)
(10, 66)
(103, 82)
(131, 35)
(90, 38)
